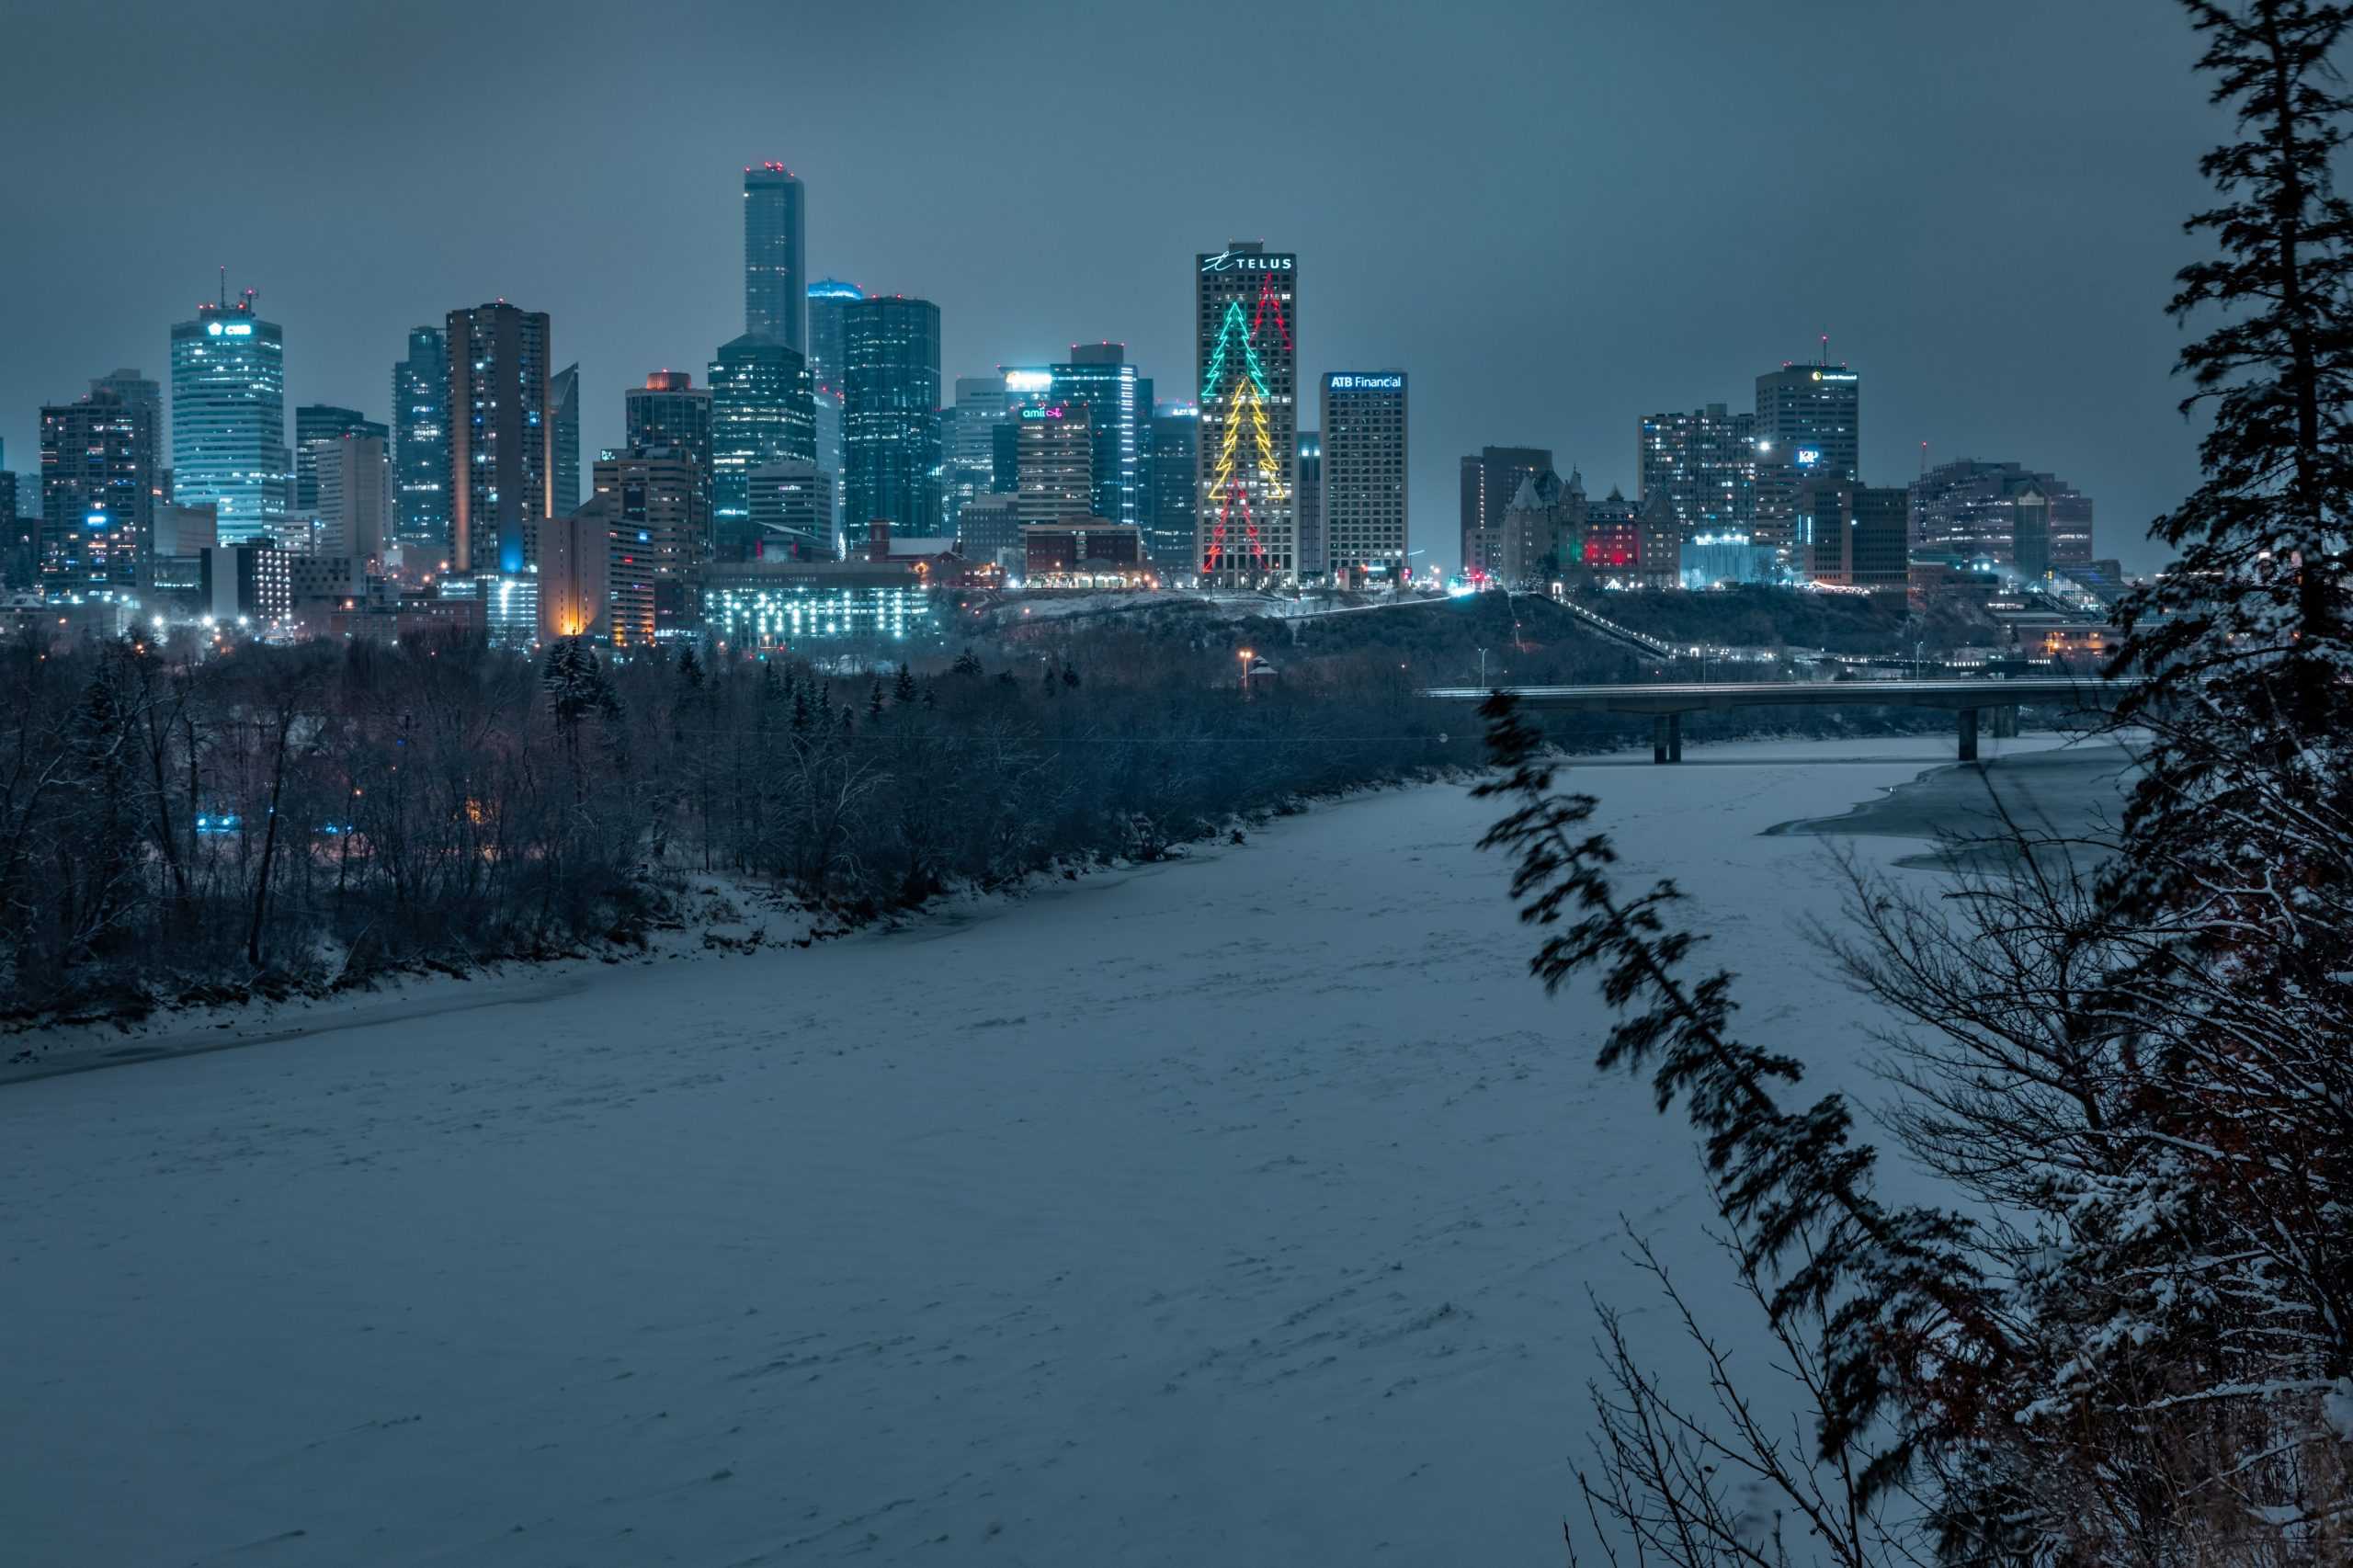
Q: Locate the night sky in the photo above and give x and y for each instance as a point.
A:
(1555, 217)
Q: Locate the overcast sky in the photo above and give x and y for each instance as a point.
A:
(1556, 216)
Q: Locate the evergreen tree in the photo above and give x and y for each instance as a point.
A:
(2253, 619)
(903, 689)
(967, 664)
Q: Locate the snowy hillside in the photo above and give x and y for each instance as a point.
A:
(1234, 1210)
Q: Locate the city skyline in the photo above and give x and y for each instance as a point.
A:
(1679, 314)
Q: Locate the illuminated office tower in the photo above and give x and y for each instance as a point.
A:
(1245, 317)
(97, 509)
(669, 410)
(828, 297)
(1364, 476)
(760, 415)
(421, 442)
(891, 414)
(1169, 538)
(229, 418)
(502, 441)
(775, 285)
(968, 428)
(1056, 462)
(793, 512)
(1810, 416)
(1118, 407)
(144, 399)
(1701, 467)
(658, 513)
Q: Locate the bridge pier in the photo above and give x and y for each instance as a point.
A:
(1666, 737)
(1968, 717)
(2004, 722)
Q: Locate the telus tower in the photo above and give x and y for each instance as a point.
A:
(1247, 528)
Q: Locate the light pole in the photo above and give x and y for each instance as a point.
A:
(1244, 655)
(1482, 669)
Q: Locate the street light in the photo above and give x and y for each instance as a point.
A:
(1243, 655)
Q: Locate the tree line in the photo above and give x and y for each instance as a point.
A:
(191, 823)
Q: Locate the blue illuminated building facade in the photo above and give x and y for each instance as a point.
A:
(775, 285)
(828, 297)
(760, 415)
(229, 419)
(891, 414)
(1118, 407)
(421, 441)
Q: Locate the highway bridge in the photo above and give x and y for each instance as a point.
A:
(1668, 702)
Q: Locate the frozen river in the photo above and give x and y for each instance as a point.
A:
(1237, 1210)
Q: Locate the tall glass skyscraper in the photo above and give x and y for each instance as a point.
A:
(501, 442)
(891, 414)
(669, 410)
(1118, 411)
(967, 441)
(775, 284)
(563, 401)
(229, 418)
(827, 298)
(1246, 315)
(760, 415)
(1169, 538)
(421, 440)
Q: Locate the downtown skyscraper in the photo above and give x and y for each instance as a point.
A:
(760, 415)
(1701, 467)
(421, 442)
(564, 412)
(1808, 432)
(1245, 313)
(890, 415)
(1169, 538)
(502, 440)
(1810, 415)
(774, 279)
(1364, 477)
(828, 298)
(229, 418)
(1119, 405)
(97, 501)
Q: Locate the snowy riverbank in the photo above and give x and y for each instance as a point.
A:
(1237, 1209)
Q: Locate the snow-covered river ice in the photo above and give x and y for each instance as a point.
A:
(1235, 1210)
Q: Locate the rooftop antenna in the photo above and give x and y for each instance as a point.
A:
(224, 285)
(1825, 350)
(1923, 459)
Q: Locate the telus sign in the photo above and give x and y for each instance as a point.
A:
(1245, 261)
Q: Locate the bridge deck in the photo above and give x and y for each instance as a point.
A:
(1721, 696)
(1668, 702)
